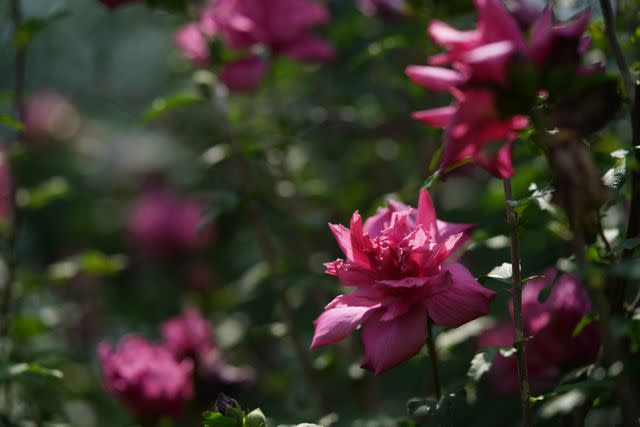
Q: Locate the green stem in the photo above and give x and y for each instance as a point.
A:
(433, 356)
(516, 295)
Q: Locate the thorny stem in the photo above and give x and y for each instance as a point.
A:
(610, 349)
(516, 291)
(6, 308)
(269, 252)
(610, 24)
(433, 356)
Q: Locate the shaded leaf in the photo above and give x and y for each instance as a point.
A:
(586, 320)
(8, 121)
(53, 189)
(163, 105)
(26, 369)
(216, 419)
(93, 263)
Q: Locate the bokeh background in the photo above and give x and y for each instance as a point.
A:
(106, 127)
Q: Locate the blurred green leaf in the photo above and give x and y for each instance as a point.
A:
(216, 419)
(481, 363)
(163, 105)
(626, 245)
(586, 320)
(10, 122)
(450, 410)
(27, 369)
(93, 263)
(170, 5)
(47, 192)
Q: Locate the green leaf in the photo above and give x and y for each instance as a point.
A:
(450, 410)
(481, 363)
(93, 263)
(614, 178)
(163, 105)
(627, 245)
(216, 419)
(29, 369)
(51, 190)
(586, 320)
(501, 273)
(432, 179)
(8, 121)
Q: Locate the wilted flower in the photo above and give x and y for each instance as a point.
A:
(551, 325)
(146, 378)
(400, 262)
(282, 27)
(162, 222)
(495, 76)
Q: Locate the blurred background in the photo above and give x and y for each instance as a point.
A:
(135, 210)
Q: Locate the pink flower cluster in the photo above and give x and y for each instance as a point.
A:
(491, 102)
(401, 263)
(162, 222)
(156, 380)
(282, 27)
(551, 326)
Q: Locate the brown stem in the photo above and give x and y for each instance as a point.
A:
(269, 253)
(610, 348)
(7, 305)
(516, 291)
(433, 356)
(610, 28)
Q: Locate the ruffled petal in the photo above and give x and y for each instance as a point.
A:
(437, 117)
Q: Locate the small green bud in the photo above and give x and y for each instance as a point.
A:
(256, 418)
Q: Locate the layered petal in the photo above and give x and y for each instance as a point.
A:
(341, 320)
(389, 343)
(435, 78)
(437, 117)
(464, 301)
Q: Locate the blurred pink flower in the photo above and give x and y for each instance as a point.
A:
(188, 335)
(112, 4)
(48, 114)
(146, 378)
(400, 262)
(481, 61)
(162, 223)
(282, 27)
(550, 325)
(193, 44)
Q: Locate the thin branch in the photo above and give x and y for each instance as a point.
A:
(433, 356)
(610, 28)
(516, 291)
(269, 252)
(12, 219)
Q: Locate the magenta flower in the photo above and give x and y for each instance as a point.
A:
(550, 325)
(481, 83)
(146, 378)
(401, 263)
(188, 336)
(282, 27)
(163, 223)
